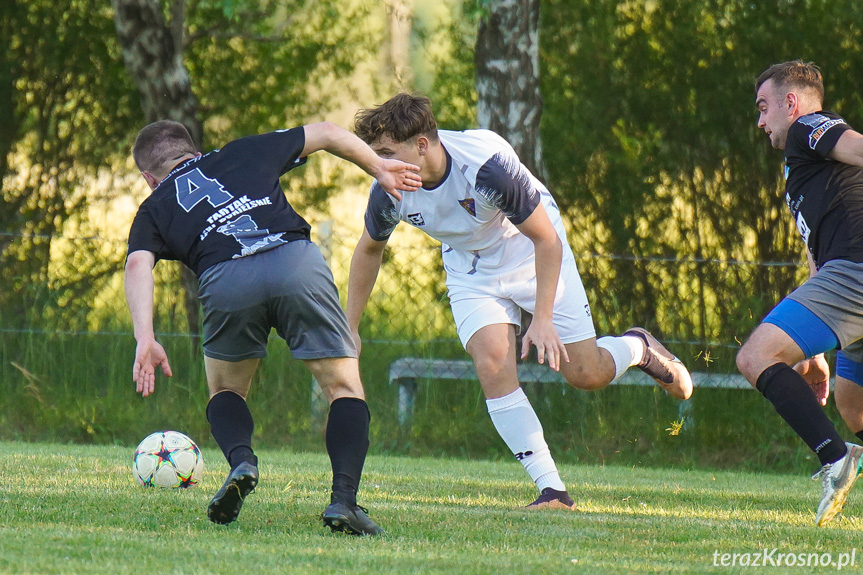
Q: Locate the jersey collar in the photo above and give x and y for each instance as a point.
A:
(445, 172)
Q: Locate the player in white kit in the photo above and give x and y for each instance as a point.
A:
(504, 250)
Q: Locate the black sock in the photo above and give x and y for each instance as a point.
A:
(347, 444)
(795, 402)
(859, 435)
(232, 425)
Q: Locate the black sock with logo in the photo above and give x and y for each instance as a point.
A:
(795, 402)
(232, 426)
(347, 440)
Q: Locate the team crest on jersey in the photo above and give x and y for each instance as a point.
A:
(416, 219)
(468, 204)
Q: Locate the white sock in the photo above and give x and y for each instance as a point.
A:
(518, 425)
(625, 350)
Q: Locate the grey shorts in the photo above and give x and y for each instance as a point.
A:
(835, 295)
(289, 288)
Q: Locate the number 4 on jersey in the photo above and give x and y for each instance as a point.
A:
(194, 187)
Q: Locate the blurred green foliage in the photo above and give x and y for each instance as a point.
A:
(672, 196)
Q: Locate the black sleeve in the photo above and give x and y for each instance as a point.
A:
(819, 132)
(145, 236)
(505, 184)
(382, 215)
(279, 150)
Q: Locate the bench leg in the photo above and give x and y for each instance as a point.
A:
(686, 414)
(318, 405)
(407, 396)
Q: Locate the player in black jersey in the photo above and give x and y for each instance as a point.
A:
(784, 356)
(225, 216)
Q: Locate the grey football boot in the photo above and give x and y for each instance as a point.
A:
(837, 479)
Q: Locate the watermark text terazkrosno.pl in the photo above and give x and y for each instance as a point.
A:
(776, 558)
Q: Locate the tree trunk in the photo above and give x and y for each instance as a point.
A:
(153, 55)
(507, 83)
(507, 77)
(400, 19)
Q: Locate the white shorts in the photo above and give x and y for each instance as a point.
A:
(483, 299)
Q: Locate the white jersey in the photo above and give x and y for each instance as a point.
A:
(490, 265)
(475, 208)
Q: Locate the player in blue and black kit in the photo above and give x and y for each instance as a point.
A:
(224, 215)
(784, 356)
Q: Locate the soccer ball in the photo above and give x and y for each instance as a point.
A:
(167, 459)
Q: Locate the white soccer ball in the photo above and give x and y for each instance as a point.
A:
(167, 459)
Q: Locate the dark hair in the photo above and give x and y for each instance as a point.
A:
(402, 117)
(794, 74)
(159, 143)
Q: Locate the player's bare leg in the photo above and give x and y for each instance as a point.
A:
(338, 377)
(768, 345)
(589, 367)
(849, 401)
(232, 426)
(595, 363)
(347, 439)
(493, 350)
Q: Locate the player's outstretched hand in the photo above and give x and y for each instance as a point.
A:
(543, 335)
(148, 355)
(396, 177)
(816, 372)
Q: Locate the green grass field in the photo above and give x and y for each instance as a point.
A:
(77, 509)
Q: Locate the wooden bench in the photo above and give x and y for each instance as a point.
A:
(406, 371)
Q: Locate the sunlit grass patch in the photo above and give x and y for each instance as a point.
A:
(77, 509)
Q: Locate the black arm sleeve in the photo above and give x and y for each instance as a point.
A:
(144, 235)
(382, 215)
(504, 183)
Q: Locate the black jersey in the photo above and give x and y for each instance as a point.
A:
(224, 205)
(825, 196)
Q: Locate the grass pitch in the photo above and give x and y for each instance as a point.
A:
(77, 509)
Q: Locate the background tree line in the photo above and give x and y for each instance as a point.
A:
(639, 115)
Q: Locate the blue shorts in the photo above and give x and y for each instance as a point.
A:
(826, 313)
